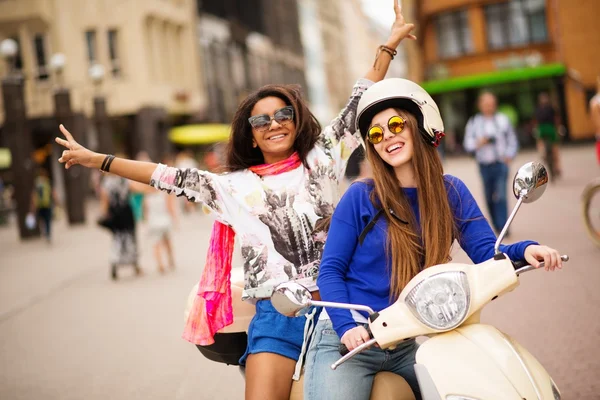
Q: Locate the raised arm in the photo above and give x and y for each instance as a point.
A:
(341, 137)
(400, 30)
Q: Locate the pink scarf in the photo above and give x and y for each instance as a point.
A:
(212, 309)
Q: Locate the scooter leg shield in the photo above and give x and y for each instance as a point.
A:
(481, 362)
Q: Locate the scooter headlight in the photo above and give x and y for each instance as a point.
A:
(441, 301)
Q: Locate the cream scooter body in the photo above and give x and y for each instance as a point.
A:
(473, 360)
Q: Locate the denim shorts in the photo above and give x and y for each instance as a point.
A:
(272, 332)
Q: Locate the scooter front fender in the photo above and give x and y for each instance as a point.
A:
(480, 362)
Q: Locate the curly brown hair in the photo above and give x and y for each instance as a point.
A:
(240, 154)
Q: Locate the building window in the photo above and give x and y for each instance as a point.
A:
(516, 23)
(214, 7)
(453, 34)
(18, 60)
(39, 45)
(113, 52)
(90, 40)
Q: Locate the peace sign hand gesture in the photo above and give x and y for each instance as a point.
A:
(75, 153)
(400, 29)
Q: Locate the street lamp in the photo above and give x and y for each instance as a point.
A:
(103, 128)
(18, 136)
(57, 65)
(96, 73)
(9, 49)
(74, 179)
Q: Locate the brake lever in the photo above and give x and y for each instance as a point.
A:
(354, 352)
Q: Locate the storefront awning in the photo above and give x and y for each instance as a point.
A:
(5, 158)
(493, 78)
(199, 134)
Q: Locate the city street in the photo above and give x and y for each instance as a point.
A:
(68, 332)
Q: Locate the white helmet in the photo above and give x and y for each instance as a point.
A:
(406, 95)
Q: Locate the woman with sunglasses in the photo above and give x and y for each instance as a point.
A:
(385, 230)
(283, 177)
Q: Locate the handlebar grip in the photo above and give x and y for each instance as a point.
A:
(522, 263)
(519, 264)
(344, 350)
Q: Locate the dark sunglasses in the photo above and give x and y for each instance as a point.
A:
(262, 122)
(395, 126)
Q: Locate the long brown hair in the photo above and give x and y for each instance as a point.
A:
(411, 245)
(240, 154)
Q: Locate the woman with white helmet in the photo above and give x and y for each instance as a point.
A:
(387, 229)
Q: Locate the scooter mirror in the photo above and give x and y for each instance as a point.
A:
(291, 299)
(530, 182)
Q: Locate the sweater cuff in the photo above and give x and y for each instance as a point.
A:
(340, 330)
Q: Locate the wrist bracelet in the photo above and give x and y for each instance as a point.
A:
(389, 50)
(103, 166)
(106, 163)
(107, 168)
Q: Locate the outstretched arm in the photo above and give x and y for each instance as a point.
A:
(341, 137)
(195, 185)
(76, 154)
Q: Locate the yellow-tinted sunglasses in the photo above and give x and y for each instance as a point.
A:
(395, 126)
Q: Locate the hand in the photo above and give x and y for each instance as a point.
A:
(75, 153)
(482, 141)
(550, 257)
(400, 29)
(355, 337)
(507, 160)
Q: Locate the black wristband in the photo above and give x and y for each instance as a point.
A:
(107, 168)
(103, 166)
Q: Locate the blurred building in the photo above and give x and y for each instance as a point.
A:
(340, 43)
(246, 44)
(516, 49)
(148, 52)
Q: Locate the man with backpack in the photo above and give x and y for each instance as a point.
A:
(491, 137)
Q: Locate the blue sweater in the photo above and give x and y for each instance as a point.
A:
(357, 273)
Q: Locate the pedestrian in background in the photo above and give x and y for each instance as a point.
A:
(43, 200)
(160, 215)
(547, 122)
(136, 198)
(119, 219)
(490, 135)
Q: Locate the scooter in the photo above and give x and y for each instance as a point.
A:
(463, 359)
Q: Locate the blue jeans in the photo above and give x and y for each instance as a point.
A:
(353, 379)
(495, 177)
